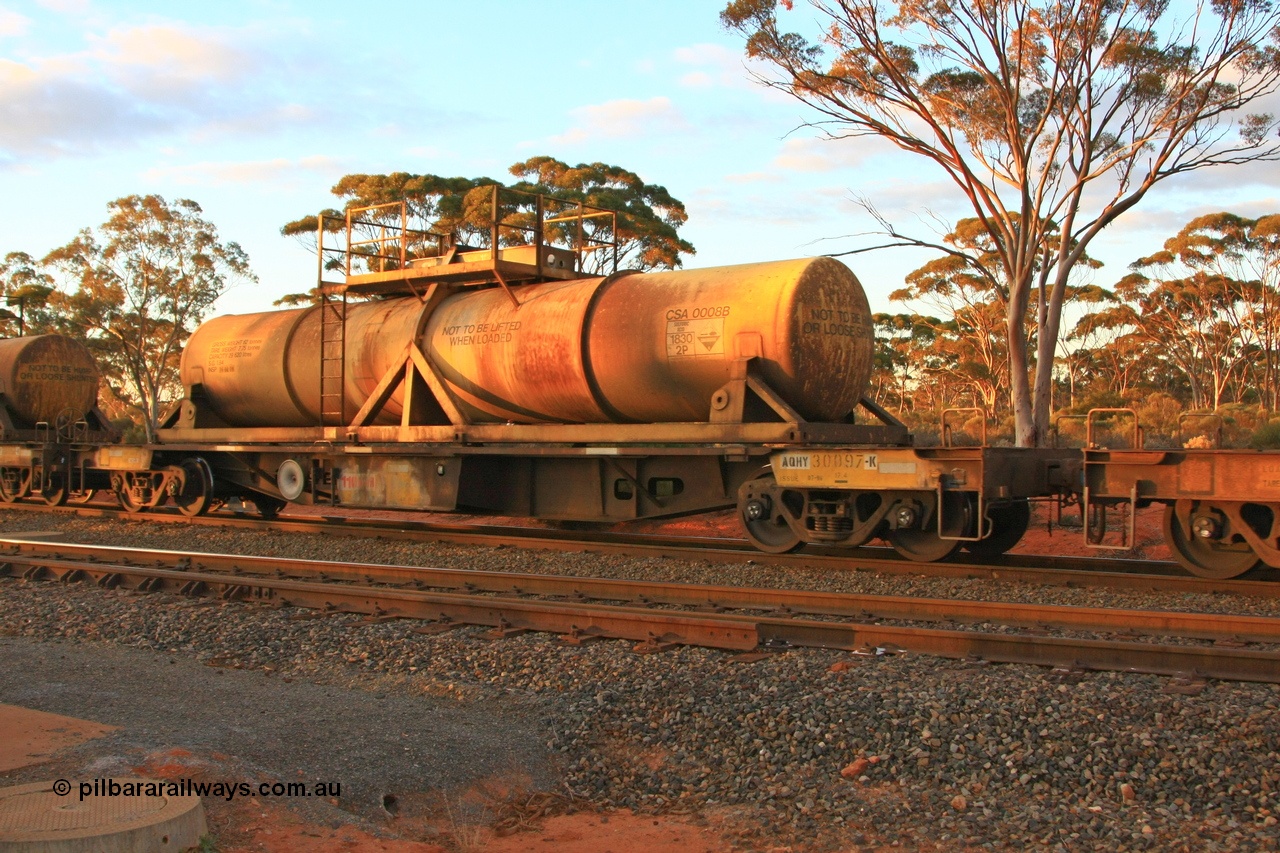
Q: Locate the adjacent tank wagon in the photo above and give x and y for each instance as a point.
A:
(49, 379)
(49, 418)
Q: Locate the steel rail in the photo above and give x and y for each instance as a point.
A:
(719, 630)
(1126, 574)
(1212, 626)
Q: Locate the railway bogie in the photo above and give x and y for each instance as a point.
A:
(926, 502)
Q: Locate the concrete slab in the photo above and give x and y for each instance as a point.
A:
(32, 737)
(126, 815)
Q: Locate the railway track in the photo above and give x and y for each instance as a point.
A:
(658, 615)
(1126, 574)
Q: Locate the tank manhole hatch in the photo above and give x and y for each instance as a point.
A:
(38, 817)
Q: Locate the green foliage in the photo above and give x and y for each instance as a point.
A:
(137, 287)
(460, 211)
(1159, 414)
(1239, 422)
(430, 198)
(26, 289)
(298, 300)
(1208, 304)
(1266, 437)
(1190, 340)
(902, 341)
(967, 351)
(131, 432)
(649, 217)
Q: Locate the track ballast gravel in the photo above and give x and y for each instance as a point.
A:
(936, 754)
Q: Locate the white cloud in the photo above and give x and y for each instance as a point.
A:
(1144, 229)
(166, 61)
(259, 119)
(1229, 185)
(273, 172)
(622, 118)
(753, 178)
(132, 83)
(45, 113)
(713, 66)
(697, 80)
(807, 154)
(12, 24)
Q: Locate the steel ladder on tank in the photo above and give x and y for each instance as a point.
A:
(333, 359)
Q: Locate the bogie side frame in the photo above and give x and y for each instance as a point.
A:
(51, 461)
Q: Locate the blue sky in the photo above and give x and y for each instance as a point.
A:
(254, 108)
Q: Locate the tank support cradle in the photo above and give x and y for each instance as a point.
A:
(405, 372)
(729, 402)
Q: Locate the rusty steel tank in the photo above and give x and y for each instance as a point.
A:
(639, 348)
(47, 378)
(263, 370)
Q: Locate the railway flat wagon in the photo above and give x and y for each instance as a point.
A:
(509, 380)
(1221, 506)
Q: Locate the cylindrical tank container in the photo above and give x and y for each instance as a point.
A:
(263, 370)
(642, 347)
(45, 377)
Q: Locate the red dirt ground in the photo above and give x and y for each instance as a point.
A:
(32, 737)
(250, 825)
(253, 828)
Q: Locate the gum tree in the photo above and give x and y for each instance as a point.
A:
(25, 288)
(139, 285)
(1209, 303)
(1046, 116)
(649, 217)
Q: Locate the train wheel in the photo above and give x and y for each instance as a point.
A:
(926, 544)
(54, 490)
(81, 497)
(759, 510)
(268, 508)
(15, 484)
(197, 491)
(1008, 523)
(128, 502)
(1212, 556)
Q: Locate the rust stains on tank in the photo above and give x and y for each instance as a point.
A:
(641, 348)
